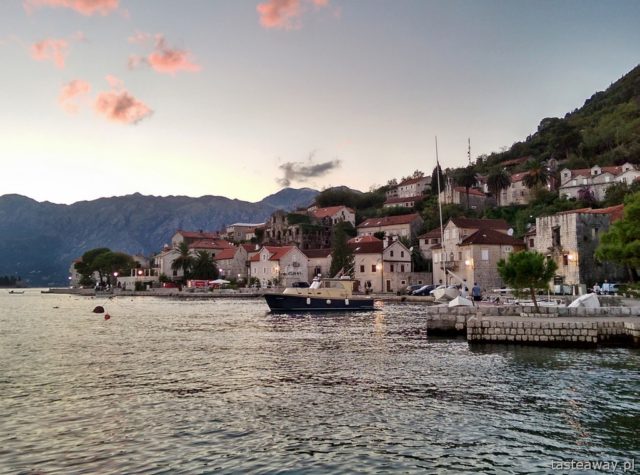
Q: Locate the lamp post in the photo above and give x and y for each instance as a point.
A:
(380, 267)
(115, 279)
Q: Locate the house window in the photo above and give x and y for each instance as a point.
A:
(391, 267)
(555, 236)
(391, 253)
(485, 254)
(362, 268)
(373, 267)
(594, 233)
(401, 253)
(531, 242)
(401, 267)
(565, 260)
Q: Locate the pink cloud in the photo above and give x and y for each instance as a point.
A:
(70, 92)
(85, 7)
(284, 14)
(50, 49)
(281, 14)
(163, 59)
(118, 105)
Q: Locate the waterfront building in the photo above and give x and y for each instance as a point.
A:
(404, 225)
(319, 262)
(380, 265)
(232, 263)
(570, 238)
(471, 250)
(279, 266)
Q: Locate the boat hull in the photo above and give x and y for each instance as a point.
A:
(301, 303)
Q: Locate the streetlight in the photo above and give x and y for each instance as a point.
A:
(115, 279)
(380, 267)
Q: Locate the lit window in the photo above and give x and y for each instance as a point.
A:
(485, 254)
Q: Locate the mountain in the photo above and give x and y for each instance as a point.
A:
(40, 239)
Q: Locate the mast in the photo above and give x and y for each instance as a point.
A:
(444, 252)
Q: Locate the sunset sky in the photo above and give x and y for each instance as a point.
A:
(242, 97)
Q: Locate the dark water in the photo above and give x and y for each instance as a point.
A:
(221, 386)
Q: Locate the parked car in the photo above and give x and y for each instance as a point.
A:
(609, 288)
(410, 288)
(424, 290)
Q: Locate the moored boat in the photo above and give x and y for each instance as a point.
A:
(322, 295)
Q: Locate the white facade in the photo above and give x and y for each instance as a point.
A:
(597, 179)
(284, 265)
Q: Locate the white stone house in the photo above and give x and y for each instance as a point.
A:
(451, 256)
(379, 268)
(282, 264)
(411, 187)
(597, 179)
(232, 263)
(458, 195)
(408, 202)
(239, 232)
(319, 262)
(405, 225)
(517, 193)
(336, 214)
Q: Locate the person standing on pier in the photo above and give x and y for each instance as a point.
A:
(476, 292)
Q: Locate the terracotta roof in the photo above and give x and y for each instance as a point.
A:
(615, 212)
(367, 247)
(328, 211)
(250, 247)
(226, 254)
(198, 234)
(472, 223)
(210, 244)
(315, 253)
(587, 171)
(531, 232)
(491, 236)
(359, 239)
(518, 176)
(389, 220)
(434, 233)
(276, 253)
(472, 191)
(403, 200)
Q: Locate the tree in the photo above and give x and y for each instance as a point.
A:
(498, 180)
(341, 255)
(435, 176)
(586, 195)
(527, 270)
(621, 243)
(466, 177)
(537, 174)
(184, 260)
(87, 266)
(203, 267)
(417, 174)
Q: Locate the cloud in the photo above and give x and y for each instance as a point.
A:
(118, 105)
(302, 172)
(71, 91)
(284, 14)
(163, 59)
(85, 7)
(51, 49)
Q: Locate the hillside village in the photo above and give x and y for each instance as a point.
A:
(557, 193)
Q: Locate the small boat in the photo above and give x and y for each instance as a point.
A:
(460, 301)
(321, 295)
(444, 292)
(16, 292)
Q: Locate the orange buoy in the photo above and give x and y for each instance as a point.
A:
(107, 316)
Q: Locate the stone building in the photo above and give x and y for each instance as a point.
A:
(404, 225)
(319, 262)
(595, 179)
(381, 265)
(453, 194)
(231, 263)
(517, 193)
(471, 249)
(570, 238)
(279, 265)
(410, 187)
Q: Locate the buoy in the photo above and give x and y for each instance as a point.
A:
(98, 309)
(107, 316)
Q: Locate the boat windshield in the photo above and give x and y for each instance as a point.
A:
(315, 284)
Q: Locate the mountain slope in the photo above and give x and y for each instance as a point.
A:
(39, 240)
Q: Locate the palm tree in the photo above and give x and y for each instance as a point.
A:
(204, 267)
(537, 174)
(466, 177)
(184, 260)
(498, 180)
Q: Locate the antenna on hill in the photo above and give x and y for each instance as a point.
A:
(469, 149)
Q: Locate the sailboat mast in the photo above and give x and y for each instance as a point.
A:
(444, 252)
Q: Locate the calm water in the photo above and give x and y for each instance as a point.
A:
(222, 386)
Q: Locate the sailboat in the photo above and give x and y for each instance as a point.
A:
(443, 292)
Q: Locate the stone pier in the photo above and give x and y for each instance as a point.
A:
(550, 326)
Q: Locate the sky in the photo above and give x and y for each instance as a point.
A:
(240, 98)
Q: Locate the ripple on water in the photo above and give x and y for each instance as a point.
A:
(196, 387)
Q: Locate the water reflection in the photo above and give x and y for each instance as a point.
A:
(225, 386)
